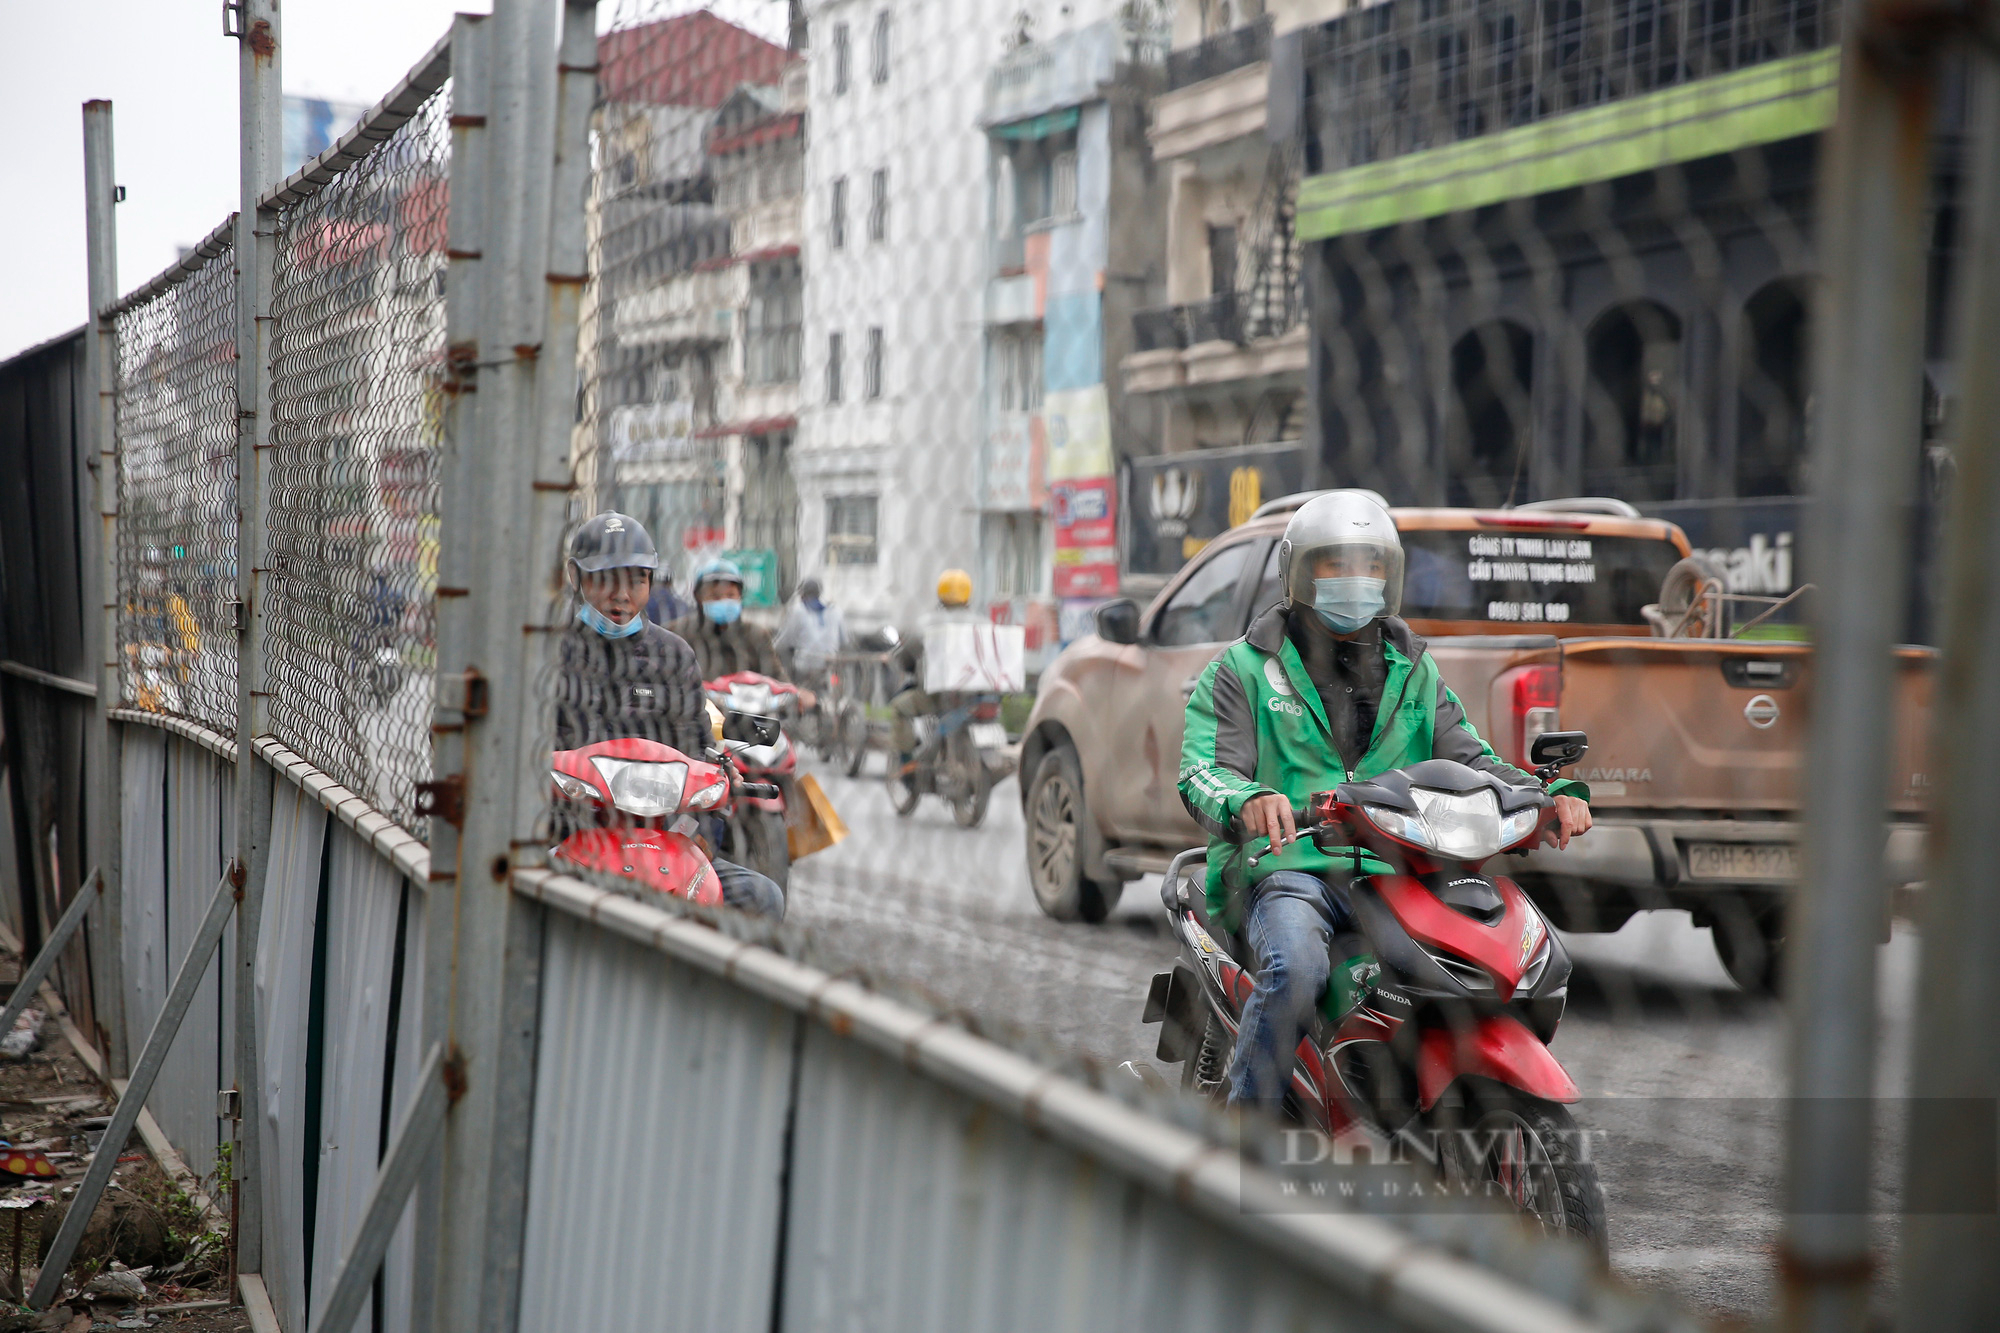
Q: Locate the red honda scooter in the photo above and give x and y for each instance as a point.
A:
(1441, 1013)
(631, 806)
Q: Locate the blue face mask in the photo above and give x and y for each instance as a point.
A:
(1345, 605)
(723, 610)
(604, 625)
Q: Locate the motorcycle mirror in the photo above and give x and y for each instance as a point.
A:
(751, 728)
(1558, 749)
(1118, 621)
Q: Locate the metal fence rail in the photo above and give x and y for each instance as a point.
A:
(177, 488)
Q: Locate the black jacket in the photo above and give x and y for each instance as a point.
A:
(646, 686)
(723, 650)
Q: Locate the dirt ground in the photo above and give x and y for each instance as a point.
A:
(50, 1101)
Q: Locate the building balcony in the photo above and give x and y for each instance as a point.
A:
(1216, 111)
(1220, 54)
(1412, 113)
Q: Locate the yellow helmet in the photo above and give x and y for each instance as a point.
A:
(954, 587)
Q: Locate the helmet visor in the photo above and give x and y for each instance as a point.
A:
(1365, 558)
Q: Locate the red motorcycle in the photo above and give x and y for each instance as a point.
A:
(1438, 1020)
(756, 828)
(631, 807)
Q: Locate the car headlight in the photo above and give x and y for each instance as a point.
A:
(643, 789)
(574, 788)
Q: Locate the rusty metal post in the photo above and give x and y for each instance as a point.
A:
(104, 759)
(1873, 210)
(260, 130)
(520, 162)
(1951, 1234)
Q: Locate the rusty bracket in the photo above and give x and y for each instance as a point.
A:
(453, 1073)
(443, 799)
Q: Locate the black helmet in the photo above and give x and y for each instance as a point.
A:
(612, 541)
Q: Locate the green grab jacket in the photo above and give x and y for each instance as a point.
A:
(1255, 726)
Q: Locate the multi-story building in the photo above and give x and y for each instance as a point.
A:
(698, 155)
(1075, 247)
(1570, 252)
(1225, 357)
(889, 422)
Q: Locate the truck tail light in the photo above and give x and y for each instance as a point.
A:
(1531, 695)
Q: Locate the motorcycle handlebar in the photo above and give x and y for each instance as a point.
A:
(759, 789)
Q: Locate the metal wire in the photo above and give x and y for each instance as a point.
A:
(357, 410)
(177, 635)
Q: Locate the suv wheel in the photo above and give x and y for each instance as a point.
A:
(1056, 816)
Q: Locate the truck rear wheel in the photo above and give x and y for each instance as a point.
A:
(1057, 817)
(1750, 940)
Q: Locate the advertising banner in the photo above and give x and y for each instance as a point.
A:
(1180, 502)
(1078, 422)
(1085, 516)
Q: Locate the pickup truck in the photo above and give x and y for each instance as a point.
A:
(1541, 618)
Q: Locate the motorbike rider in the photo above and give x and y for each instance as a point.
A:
(723, 641)
(620, 675)
(812, 633)
(1328, 686)
(954, 604)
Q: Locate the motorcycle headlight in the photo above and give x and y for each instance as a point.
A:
(709, 797)
(647, 790)
(1518, 826)
(1463, 825)
(1397, 824)
(574, 788)
(750, 698)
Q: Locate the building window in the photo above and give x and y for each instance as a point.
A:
(839, 58)
(1013, 547)
(837, 217)
(1018, 369)
(878, 206)
(834, 352)
(871, 369)
(1221, 260)
(850, 530)
(773, 327)
(1044, 172)
(1062, 185)
(879, 55)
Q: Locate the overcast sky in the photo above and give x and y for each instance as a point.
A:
(171, 77)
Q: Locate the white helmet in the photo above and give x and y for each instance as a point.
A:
(1353, 531)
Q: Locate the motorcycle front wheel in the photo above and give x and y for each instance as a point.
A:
(1529, 1152)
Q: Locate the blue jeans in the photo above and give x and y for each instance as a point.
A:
(1291, 921)
(747, 891)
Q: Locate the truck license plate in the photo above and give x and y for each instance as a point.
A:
(1743, 860)
(989, 735)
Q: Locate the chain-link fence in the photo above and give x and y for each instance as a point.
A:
(891, 292)
(177, 622)
(357, 399)
(966, 367)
